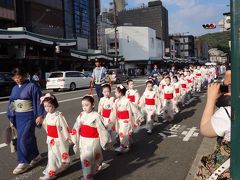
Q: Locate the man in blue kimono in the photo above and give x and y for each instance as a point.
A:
(155, 73)
(25, 112)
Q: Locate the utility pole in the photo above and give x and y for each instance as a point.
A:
(235, 90)
(115, 30)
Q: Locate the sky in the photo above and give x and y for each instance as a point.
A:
(187, 15)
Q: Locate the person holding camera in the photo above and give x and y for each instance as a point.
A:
(217, 124)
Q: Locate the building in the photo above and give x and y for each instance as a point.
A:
(200, 49)
(139, 46)
(186, 45)
(174, 49)
(121, 4)
(217, 56)
(7, 13)
(154, 16)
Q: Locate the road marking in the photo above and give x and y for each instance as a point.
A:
(190, 133)
(3, 145)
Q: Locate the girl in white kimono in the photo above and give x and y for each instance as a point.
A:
(132, 94)
(177, 89)
(127, 118)
(105, 107)
(58, 138)
(183, 91)
(88, 135)
(198, 79)
(169, 95)
(150, 105)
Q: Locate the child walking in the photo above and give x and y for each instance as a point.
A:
(149, 103)
(127, 117)
(58, 138)
(132, 94)
(88, 135)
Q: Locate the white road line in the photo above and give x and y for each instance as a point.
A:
(3, 145)
(189, 134)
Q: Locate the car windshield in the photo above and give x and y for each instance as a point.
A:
(56, 75)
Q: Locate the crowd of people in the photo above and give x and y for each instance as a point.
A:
(110, 127)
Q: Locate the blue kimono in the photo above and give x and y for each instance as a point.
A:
(24, 122)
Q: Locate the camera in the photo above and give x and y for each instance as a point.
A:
(223, 88)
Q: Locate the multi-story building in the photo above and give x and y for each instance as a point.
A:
(138, 45)
(200, 49)
(174, 49)
(154, 16)
(7, 14)
(186, 45)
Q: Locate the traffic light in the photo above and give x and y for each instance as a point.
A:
(209, 26)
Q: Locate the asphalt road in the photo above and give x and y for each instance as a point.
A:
(167, 154)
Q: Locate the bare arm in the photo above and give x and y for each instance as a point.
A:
(206, 128)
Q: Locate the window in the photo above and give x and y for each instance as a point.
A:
(56, 75)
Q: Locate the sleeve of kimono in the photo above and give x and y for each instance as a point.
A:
(75, 134)
(64, 130)
(158, 103)
(100, 106)
(137, 97)
(11, 110)
(104, 135)
(37, 106)
(113, 115)
(135, 115)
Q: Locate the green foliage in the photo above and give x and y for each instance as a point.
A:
(217, 40)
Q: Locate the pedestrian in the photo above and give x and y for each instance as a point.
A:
(89, 135)
(150, 105)
(98, 77)
(155, 73)
(132, 94)
(177, 89)
(25, 112)
(127, 117)
(35, 79)
(105, 108)
(168, 96)
(216, 124)
(58, 138)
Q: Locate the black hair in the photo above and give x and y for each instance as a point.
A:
(52, 100)
(121, 90)
(19, 71)
(150, 81)
(175, 77)
(89, 99)
(168, 78)
(129, 80)
(106, 86)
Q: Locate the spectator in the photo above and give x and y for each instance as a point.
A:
(216, 124)
(35, 79)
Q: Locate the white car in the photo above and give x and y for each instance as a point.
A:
(72, 80)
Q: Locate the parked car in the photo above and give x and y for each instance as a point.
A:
(67, 80)
(6, 83)
(87, 73)
(116, 76)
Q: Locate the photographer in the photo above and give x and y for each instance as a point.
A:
(217, 124)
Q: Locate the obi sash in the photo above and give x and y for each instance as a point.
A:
(189, 81)
(150, 101)
(23, 105)
(163, 85)
(52, 131)
(88, 131)
(106, 113)
(123, 114)
(184, 86)
(131, 98)
(168, 96)
(177, 90)
(198, 74)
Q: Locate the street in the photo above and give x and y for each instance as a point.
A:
(167, 154)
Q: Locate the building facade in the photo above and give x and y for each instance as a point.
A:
(7, 13)
(154, 16)
(200, 49)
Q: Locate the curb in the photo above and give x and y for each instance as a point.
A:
(207, 146)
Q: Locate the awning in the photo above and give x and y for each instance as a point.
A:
(40, 38)
(88, 55)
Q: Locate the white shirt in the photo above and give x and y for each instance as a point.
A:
(221, 123)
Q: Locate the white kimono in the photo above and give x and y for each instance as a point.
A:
(133, 96)
(89, 134)
(184, 85)
(127, 118)
(58, 137)
(169, 95)
(150, 105)
(176, 100)
(198, 80)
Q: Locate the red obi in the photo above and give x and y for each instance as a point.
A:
(168, 96)
(52, 131)
(123, 114)
(150, 101)
(131, 98)
(189, 81)
(163, 85)
(198, 74)
(177, 90)
(88, 131)
(106, 113)
(184, 86)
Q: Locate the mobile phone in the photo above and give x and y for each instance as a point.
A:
(223, 88)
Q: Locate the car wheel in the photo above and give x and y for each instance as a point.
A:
(55, 90)
(72, 86)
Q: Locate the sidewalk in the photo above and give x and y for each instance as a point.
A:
(206, 147)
